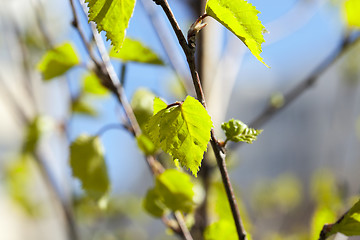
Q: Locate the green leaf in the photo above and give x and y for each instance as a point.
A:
(88, 165)
(112, 16)
(142, 105)
(182, 130)
(32, 135)
(134, 51)
(221, 230)
(152, 203)
(176, 190)
(240, 17)
(80, 106)
(159, 105)
(322, 215)
(352, 9)
(173, 190)
(349, 225)
(92, 85)
(19, 180)
(146, 145)
(237, 131)
(57, 61)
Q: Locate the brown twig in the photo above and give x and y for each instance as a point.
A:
(109, 78)
(219, 154)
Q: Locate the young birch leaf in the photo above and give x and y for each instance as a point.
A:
(352, 9)
(221, 230)
(159, 105)
(146, 145)
(111, 16)
(240, 17)
(182, 130)
(135, 51)
(80, 106)
(92, 85)
(88, 165)
(349, 225)
(142, 105)
(237, 131)
(175, 190)
(57, 61)
(152, 203)
(32, 135)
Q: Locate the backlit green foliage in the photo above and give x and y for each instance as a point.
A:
(349, 225)
(173, 190)
(221, 230)
(134, 51)
(88, 165)
(142, 105)
(32, 135)
(111, 16)
(57, 61)
(237, 131)
(352, 10)
(92, 85)
(240, 17)
(80, 106)
(181, 130)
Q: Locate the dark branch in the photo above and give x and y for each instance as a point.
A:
(220, 156)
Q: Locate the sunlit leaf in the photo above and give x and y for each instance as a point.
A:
(18, 176)
(142, 105)
(111, 16)
(182, 130)
(221, 230)
(32, 135)
(80, 106)
(321, 216)
(88, 165)
(134, 51)
(176, 190)
(349, 225)
(57, 61)
(152, 203)
(352, 10)
(240, 17)
(216, 199)
(159, 105)
(92, 85)
(173, 190)
(146, 145)
(237, 131)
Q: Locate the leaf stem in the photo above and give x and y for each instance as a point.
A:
(220, 156)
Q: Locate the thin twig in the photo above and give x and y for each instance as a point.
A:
(112, 126)
(65, 209)
(179, 217)
(76, 24)
(115, 81)
(305, 84)
(107, 74)
(219, 154)
(172, 53)
(188, 52)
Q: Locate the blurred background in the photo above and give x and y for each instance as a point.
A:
(303, 168)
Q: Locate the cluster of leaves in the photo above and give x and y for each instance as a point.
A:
(181, 129)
